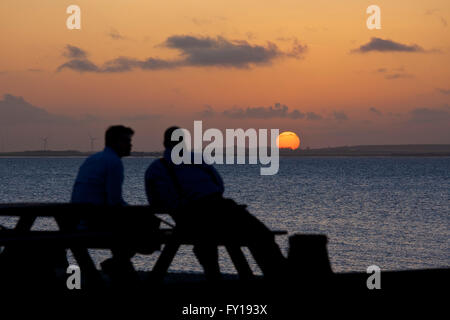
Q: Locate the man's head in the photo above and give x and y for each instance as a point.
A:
(118, 138)
(168, 143)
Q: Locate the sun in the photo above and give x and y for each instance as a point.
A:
(288, 139)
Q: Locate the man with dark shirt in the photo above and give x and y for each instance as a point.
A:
(193, 195)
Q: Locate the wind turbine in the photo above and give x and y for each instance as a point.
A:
(45, 140)
(92, 142)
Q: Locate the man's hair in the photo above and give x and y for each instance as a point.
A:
(168, 143)
(113, 134)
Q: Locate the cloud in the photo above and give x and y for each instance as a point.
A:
(123, 64)
(375, 111)
(443, 91)
(381, 45)
(435, 13)
(395, 73)
(201, 22)
(207, 112)
(394, 76)
(340, 115)
(140, 117)
(23, 124)
(250, 35)
(73, 52)
(194, 51)
(424, 115)
(14, 110)
(114, 34)
(298, 51)
(313, 116)
(277, 111)
(207, 51)
(80, 65)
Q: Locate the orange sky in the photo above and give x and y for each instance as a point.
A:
(408, 92)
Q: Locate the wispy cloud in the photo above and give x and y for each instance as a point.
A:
(194, 51)
(15, 110)
(276, 111)
(382, 45)
(207, 112)
(73, 52)
(396, 73)
(423, 115)
(80, 65)
(375, 111)
(443, 91)
(313, 116)
(140, 117)
(114, 34)
(394, 76)
(435, 13)
(340, 115)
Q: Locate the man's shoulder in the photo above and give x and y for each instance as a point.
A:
(110, 157)
(155, 167)
(94, 158)
(104, 158)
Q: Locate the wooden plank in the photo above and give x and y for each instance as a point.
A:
(164, 260)
(99, 239)
(239, 261)
(64, 209)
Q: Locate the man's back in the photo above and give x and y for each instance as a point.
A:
(100, 179)
(169, 186)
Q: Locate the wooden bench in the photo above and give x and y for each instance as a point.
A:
(78, 241)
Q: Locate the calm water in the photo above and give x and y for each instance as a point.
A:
(392, 212)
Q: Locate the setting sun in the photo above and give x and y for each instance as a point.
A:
(288, 139)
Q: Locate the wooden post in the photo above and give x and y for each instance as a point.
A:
(308, 255)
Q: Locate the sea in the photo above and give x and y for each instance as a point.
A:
(393, 212)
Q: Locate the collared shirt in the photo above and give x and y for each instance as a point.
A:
(195, 181)
(100, 180)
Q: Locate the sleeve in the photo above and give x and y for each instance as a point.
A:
(114, 181)
(217, 178)
(161, 193)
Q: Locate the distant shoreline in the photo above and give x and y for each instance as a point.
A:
(424, 150)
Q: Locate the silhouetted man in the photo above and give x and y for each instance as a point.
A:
(192, 194)
(99, 182)
(100, 177)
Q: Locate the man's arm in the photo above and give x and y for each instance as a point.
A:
(114, 181)
(161, 193)
(216, 177)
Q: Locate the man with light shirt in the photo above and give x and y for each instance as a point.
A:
(100, 177)
(99, 182)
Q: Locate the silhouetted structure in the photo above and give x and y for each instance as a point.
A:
(92, 139)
